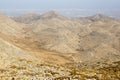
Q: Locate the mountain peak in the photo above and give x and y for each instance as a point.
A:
(99, 16)
(51, 14)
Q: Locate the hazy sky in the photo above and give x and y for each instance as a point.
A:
(59, 4)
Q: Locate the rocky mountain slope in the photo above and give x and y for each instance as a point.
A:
(9, 26)
(88, 38)
(52, 47)
(16, 63)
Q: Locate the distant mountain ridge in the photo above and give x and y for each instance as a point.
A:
(94, 18)
(29, 18)
(50, 46)
(80, 37)
(85, 36)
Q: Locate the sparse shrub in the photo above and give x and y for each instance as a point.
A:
(39, 65)
(22, 60)
(73, 72)
(29, 72)
(29, 62)
(2, 70)
(62, 78)
(17, 67)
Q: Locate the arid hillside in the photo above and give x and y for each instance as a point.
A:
(85, 39)
(50, 46)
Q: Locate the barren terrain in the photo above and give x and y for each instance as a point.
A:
(50, 46)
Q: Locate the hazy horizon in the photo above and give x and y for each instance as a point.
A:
(72, 8)
(59, 4)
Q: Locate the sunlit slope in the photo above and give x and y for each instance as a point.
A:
(87, 38)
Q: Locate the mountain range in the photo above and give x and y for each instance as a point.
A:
(78, 36)
(54, 39)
